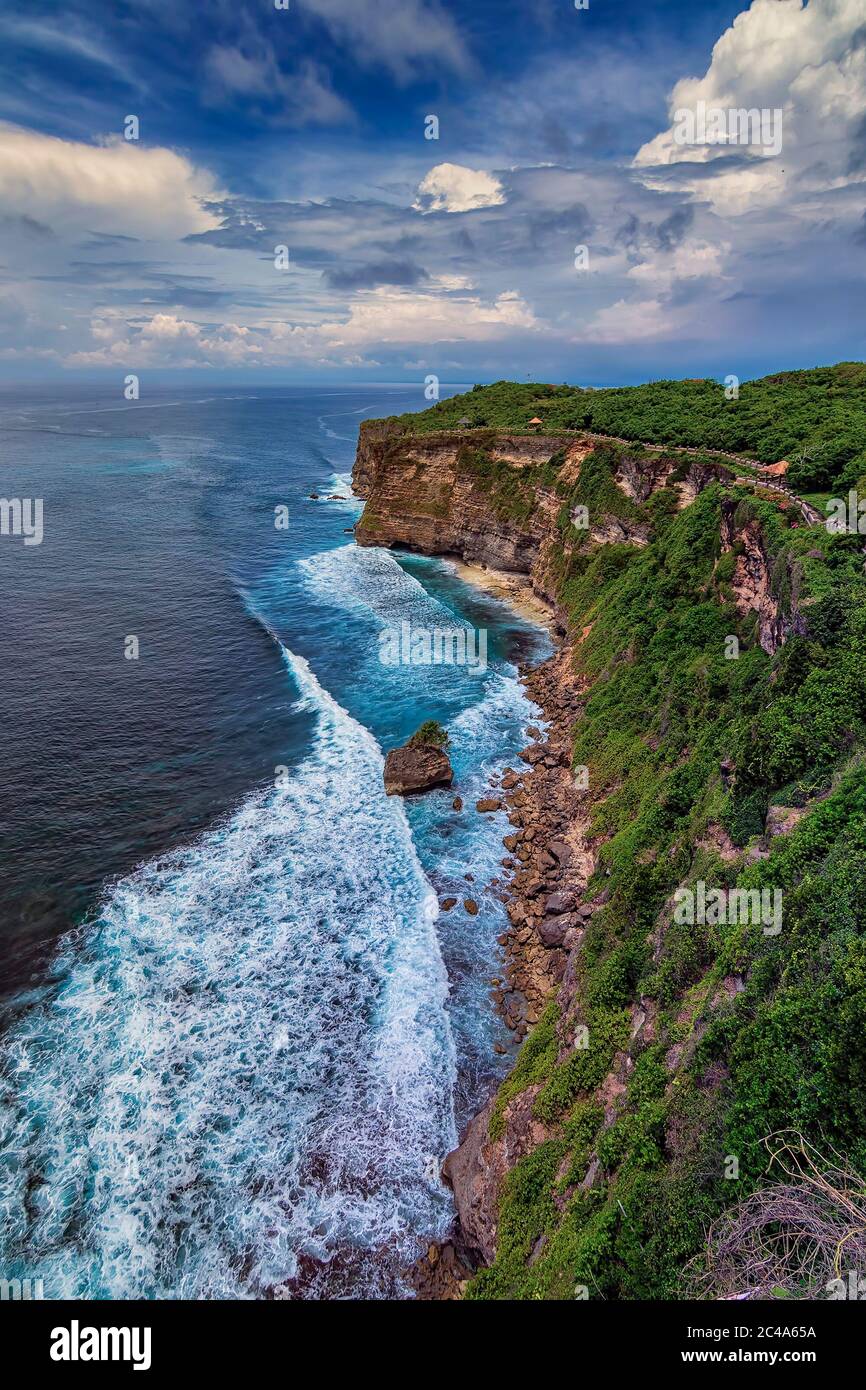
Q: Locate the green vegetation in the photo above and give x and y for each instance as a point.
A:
(430, 735)
(816, 419)
(512, 491)
(747, 1032)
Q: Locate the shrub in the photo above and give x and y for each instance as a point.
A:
(431, 735)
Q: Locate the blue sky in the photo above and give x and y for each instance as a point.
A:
(304, 127)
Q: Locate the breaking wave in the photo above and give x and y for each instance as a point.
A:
(240, 1076)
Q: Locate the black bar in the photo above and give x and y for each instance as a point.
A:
(770, 1337)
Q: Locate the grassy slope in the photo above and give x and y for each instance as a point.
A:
(790, 1049)
(816, 419)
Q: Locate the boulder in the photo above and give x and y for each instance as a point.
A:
(552, 930)
(416, 767)
(557, 931)
(560, 902)
(533, 754)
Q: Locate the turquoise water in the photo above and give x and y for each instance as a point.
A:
(239, 1034)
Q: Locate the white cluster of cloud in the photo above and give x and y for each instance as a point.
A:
(383, 317)
(119, 187)
(389, 317)
(803, 60)
(454, 188)
(165, 338)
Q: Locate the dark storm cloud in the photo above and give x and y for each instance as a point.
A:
(666, 235)
(99, 239)
(549, 225)
(669, 234)
(366, 277)
(628, 234)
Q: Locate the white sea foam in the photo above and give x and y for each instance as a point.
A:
(332, 434)
(246, 1062)
(493, 710)
(369, 579)
(340, 488)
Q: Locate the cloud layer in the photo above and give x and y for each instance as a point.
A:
(583, 257)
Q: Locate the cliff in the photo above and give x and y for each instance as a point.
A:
(448, 494)
(814, 419)
(772, 593)
(660, 1047)
(502, 500)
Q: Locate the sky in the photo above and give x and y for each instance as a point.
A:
(385, 190)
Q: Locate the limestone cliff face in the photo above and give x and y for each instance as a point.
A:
(423, 493)
(477, 1169)
(757, 586)
(640, 477)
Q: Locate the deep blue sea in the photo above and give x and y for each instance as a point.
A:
(238, 1034)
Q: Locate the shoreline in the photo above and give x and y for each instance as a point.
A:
(547, 866)
(542, 802)
(536, 797)
(509, 587)
(547, 855)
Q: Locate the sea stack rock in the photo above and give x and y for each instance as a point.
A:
(420, 764)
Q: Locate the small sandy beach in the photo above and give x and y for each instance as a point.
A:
(514, 589)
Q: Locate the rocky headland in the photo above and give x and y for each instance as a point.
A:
(560, 513)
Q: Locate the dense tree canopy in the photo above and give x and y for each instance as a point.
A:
(815, 419)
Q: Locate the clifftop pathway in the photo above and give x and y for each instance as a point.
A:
(810, 514)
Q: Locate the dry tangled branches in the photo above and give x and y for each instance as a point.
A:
(792, 1238)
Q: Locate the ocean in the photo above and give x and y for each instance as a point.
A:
(238, 1034)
